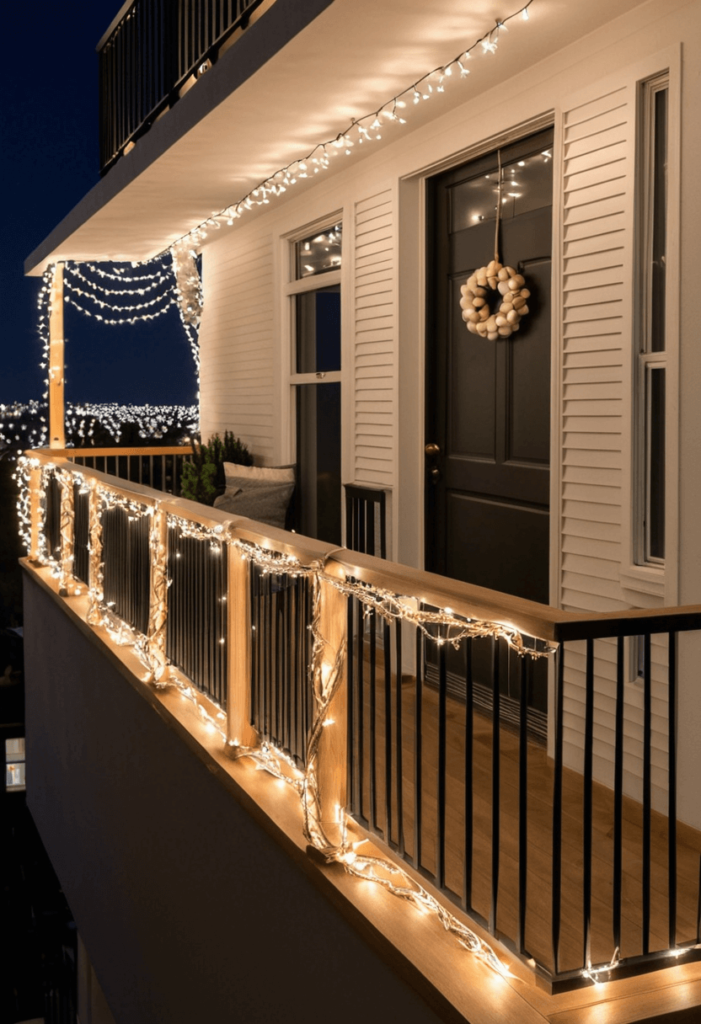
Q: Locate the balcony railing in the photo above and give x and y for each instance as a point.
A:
(281, 637)
(151, 51)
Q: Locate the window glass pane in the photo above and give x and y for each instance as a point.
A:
(15, 777)
(318, 253)
(319, 461)
(659, 224)
(656, 464)
(319, 330)
(526, 185)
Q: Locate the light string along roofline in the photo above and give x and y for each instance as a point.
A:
(365, 129)
(423, 88)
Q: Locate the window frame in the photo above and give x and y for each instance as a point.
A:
(647, 358)
(653, 583)
(292, 288)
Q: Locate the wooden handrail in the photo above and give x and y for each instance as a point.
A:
(529, 617)
(87, 453)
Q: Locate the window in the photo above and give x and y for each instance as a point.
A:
(316, 382)
(651, 335)
(14, 765)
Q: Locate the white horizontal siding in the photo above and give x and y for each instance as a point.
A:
(597, 186)
(374, 341)
(237, 340)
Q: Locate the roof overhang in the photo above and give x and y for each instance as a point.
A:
(297, 77)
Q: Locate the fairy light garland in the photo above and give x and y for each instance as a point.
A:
(379, 870)
(360, 131)
(187, 290)
(73, 269)
(325, 676)
(175, 283)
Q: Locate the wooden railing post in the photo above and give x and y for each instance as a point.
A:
(158, 592)
(238, 599)
(35, 513)
(67, 526)
(57, 431)
(332, 773)
(95, 567)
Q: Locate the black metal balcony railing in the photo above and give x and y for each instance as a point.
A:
(151, 51)
(566, 871)
(281, 699)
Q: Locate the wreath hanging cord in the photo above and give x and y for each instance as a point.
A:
(510, 285)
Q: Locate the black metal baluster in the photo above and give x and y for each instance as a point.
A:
(618, 796)
(360, 648)
(442, 749)
(469, 782)
(351, 759)
(399, 739)
(299, 689)
(672, 786)
(287, 661)
(373, 722)
(588, 799)
(268, 638)
(388, 730)
(255, 694)
(647, 788)
(557, 808)
(418, 749)
(274, 656)
(496, 786)
(523, 806)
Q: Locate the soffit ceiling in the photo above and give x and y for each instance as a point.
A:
(353, 57)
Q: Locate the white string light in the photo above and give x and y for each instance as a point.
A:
(325, 675)
(155, 280)
(361, 130)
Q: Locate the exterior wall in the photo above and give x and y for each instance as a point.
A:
(589, 88)
(189, 908)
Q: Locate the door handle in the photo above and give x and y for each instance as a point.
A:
(432, 449)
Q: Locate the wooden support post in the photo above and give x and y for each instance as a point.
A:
(158, 593)
(238, 600)
(57, 430)
(95, 570)
(332, 769)
(35, 512)
(67, 522)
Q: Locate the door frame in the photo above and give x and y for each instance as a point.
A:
(412, 242)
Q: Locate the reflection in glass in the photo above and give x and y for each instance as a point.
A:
(319, 461)
(319, 330)
(319, 253)
(659, 225)
(526, 185)
(656, 466)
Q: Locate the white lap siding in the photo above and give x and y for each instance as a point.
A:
(598, 232)
(374, 341)
(237, 341)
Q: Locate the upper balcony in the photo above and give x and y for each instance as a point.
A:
(152, 54)
(484, 872)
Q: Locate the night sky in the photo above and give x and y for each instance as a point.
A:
(49, 159)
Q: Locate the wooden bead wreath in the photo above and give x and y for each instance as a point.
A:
(476, 311)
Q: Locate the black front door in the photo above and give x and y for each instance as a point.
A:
(488, 402)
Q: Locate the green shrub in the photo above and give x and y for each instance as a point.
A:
(203, 478)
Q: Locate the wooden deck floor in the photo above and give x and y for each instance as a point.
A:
(540, 789)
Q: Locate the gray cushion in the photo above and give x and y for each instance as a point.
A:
(260, 493)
